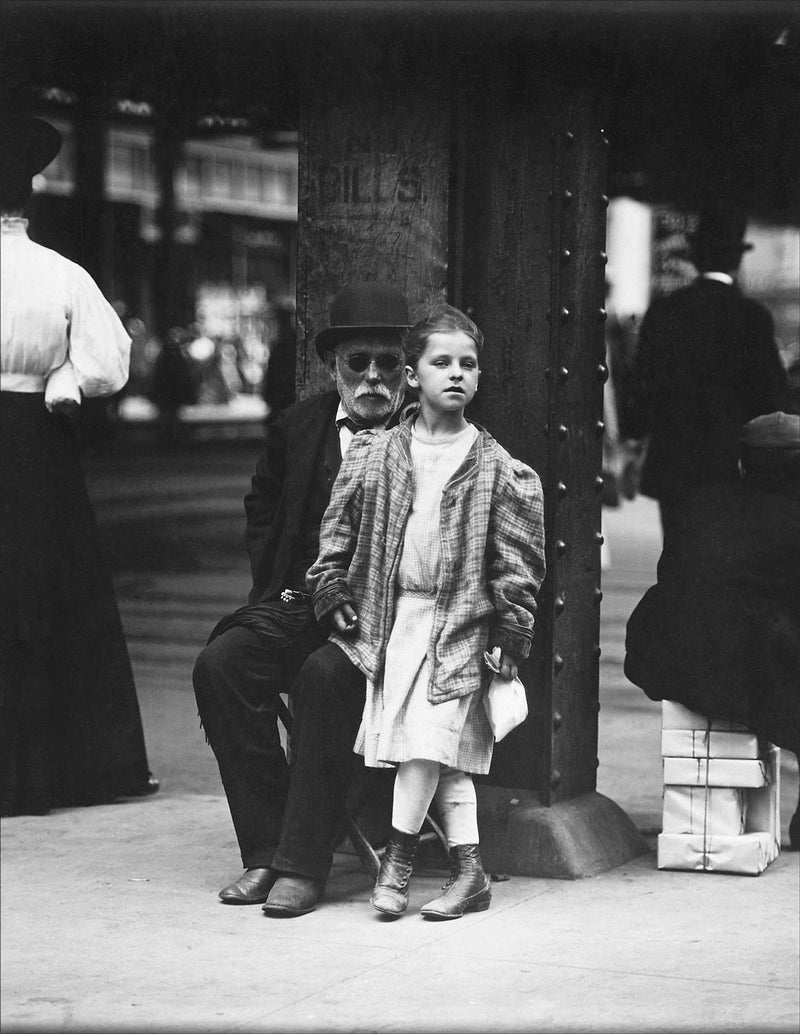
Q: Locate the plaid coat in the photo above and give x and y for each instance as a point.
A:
(492, 556)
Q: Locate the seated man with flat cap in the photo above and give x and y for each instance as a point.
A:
(286, 828)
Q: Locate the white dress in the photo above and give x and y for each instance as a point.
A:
(399, 722)
(72, 730)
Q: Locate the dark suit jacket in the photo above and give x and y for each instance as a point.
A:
(300, 440)
(706, 363)
(290, 489)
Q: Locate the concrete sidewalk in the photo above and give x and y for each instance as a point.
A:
(111, 922)
(110, 916)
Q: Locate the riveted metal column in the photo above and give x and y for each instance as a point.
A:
(483, 179)
(534, 234)
(576, 372)
(504, 283)
(533, 276)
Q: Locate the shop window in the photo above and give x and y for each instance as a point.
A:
(223, 177)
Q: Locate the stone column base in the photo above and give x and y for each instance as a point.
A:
(584, 836)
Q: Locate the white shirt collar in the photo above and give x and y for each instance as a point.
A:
(345, 434)
(723, 278)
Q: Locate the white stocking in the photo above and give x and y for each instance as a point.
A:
(458, 807)
(414, 787)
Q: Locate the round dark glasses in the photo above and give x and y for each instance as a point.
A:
(387, 362)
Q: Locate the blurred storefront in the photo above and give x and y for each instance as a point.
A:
(234, 248)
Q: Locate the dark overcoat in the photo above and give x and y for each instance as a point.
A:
(706, 363)
(720, 631)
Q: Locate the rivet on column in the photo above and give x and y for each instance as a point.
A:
(561, 547)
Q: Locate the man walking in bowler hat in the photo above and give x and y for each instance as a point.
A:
(286, 825)
(706, 363)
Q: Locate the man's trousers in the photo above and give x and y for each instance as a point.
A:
(287, 824)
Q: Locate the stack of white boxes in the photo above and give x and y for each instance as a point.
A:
(721, 809)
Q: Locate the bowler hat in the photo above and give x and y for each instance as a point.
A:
(364, 306)
(27, 145)
(722, 226)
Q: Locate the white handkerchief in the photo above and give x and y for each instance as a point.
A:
(505, 702)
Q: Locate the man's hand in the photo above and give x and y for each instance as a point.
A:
(344, 619)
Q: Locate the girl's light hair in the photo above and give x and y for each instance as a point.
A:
(442, 319)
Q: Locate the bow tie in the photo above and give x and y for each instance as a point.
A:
(350, 424)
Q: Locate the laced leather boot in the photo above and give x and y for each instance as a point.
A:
(390, 895)
(467, 888)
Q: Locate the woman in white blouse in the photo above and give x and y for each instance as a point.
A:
(71, 727)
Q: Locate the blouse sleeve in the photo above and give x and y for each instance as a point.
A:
(99, 346)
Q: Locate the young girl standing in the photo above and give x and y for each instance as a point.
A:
(431, 552)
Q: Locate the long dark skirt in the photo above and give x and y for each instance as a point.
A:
(71, 729)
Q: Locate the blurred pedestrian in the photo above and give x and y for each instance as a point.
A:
(278, 387)
(139, 372)
(173, 384)
(720, 631)
(706, 363)
(71, 727)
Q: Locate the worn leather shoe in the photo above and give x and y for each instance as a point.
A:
(251, 888)
(467, 889)
(292, 896)
(390, 896)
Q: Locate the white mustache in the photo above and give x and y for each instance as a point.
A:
(380, 390)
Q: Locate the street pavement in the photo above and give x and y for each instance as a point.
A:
(110, 917)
